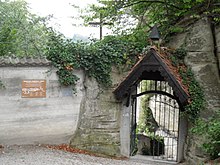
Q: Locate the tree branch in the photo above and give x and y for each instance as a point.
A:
(152, 1)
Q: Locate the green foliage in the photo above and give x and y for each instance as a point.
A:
(66, 77)
(176, 29)
(136, 14)
(96, 58)
(142, 125)
(178, 56)
(21, 33)
(61, 54)
(146, 122)
(210, 130)
(197, 100)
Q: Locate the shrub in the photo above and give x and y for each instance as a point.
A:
(211, 131)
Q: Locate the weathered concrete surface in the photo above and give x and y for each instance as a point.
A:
(50, 120)
(198, 40)
(217, 34)
(99, 127)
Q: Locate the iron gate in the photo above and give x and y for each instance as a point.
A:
(160, 138)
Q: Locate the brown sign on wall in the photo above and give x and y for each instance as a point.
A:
(33, 88)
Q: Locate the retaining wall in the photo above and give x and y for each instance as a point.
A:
(50, 120)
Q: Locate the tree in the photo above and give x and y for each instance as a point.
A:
(21, 33)
(146, 13)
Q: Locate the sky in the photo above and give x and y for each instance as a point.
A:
(63, 12)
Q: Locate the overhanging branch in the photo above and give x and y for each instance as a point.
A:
(153, 1)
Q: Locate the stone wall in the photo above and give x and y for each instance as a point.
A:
(50, 120)
(105, 123)
(217, 34)
(92, 118)
(198, 40)
(99, 128)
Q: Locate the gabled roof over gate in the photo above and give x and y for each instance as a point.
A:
(153, 66)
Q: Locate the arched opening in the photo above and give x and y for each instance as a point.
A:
(155, 121)
(166, 95)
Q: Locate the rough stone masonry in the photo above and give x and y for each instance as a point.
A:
(202, 42)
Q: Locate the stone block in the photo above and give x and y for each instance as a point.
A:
(195, 58)
(97, 142)
(200, 38)
(209, 75)
(177, 41)
(98, 129)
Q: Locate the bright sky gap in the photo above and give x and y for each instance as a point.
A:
(65, 17)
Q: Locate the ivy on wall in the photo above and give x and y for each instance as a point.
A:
(96, 58)
(197, 100)
(210, 130)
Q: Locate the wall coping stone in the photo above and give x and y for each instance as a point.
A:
(24, 61)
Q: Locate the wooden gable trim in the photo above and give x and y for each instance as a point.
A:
(154, 65)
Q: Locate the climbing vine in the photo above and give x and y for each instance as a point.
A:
(96, 58)
(197, 101)
(210, 129)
